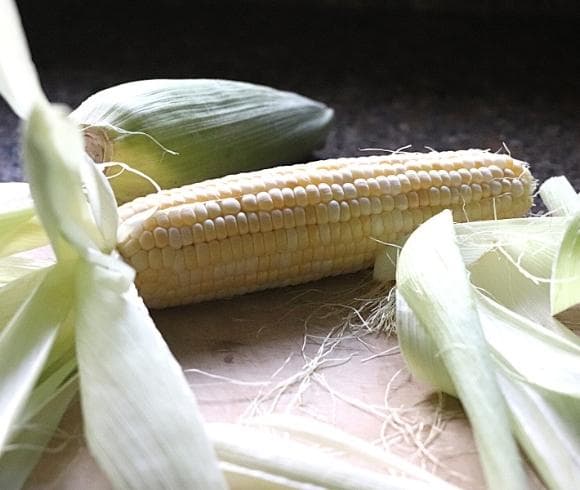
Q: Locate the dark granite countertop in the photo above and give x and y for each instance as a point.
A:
(395, 78)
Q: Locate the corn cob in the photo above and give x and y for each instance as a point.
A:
(293, 224)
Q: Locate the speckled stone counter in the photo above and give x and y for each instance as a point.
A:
(394, 79)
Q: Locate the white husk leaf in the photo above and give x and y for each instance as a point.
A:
(16, 292)
(37, 421)
(531, 240)
(561, 199)
(269, 453)
(548, 430)
(102, 203)
(19, 83)
(131, 387)
(515, 263)
(124, 364)
(433, 281)
(545, 421)
(242, 478)
(419, 350)
(14, 266)
(141, 420)
(53, 151)
(543, 358)
(565, 286)
(328, 436)
(539, 372)
(536, 357)
(15, 196)
(24, 233)
(37, 428)
(559, 196)
(25, 344)
(19, 228)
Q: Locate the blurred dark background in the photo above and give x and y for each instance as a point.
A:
(446, 75)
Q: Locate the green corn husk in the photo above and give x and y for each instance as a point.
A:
(505, 279)
(182, 131)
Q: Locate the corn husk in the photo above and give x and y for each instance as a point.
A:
(307, 430)
(520, 271)
(565, 290)
(19, 226)
(182, 131)
(559, 196)
(432, 281)
(300, 453)
(19, 84)
(66, 314)
(123, 363)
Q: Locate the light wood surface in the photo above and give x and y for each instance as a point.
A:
(263, 338)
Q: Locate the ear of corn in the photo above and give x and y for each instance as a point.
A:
(290, 225)
(183, 131)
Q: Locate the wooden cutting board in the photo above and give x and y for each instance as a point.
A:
(249, 345)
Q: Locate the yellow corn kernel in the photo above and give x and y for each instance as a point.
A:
(299, 223)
